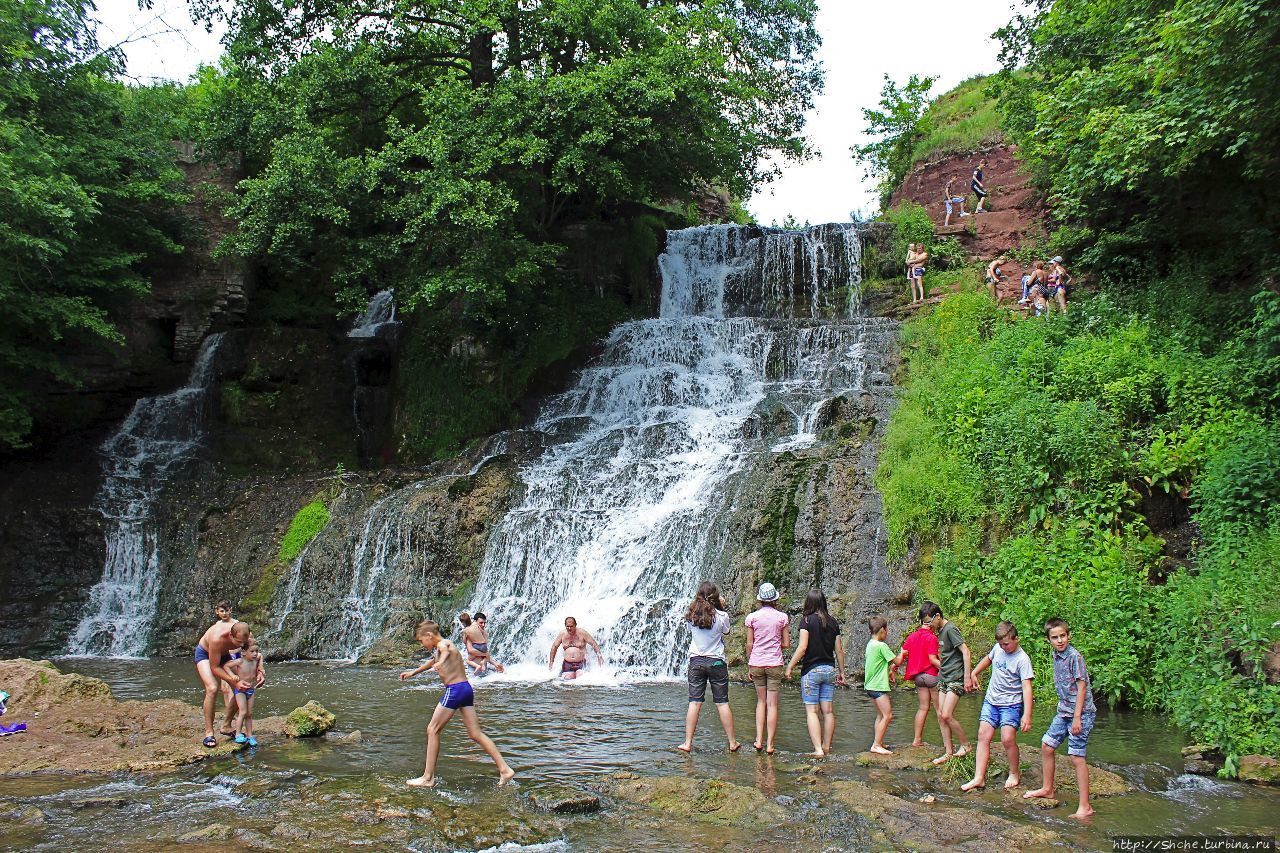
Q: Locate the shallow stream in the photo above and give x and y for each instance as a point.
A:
(566, 733)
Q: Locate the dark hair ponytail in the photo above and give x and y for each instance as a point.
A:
(702, 612)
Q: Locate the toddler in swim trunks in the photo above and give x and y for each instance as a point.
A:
(247, 672)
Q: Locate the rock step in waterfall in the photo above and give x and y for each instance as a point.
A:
(160, 435)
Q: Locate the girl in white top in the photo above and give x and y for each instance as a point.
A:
(708, 623)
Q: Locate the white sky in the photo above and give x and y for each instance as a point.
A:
(862, 41)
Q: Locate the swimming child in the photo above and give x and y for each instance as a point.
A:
(1007, 706)
(477, 641)
(878, 672)
(247, 671)
(458, 696)
(922, 658)
(1073, 718)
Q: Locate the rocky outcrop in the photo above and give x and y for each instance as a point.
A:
(713, 801)
(75, 725)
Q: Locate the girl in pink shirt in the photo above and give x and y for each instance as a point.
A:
(920, 651)
(767, 636)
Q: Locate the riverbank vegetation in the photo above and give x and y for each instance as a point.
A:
(1118, 466)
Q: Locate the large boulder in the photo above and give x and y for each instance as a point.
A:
(311, 720)
(704, 800)
(1259, 769)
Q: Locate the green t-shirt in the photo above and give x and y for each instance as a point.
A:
(877, 666)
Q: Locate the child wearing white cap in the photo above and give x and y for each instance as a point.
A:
(767, 636)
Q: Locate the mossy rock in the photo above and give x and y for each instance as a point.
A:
(1259, 770)
(311, 720)
(903, 758)
(704, 800)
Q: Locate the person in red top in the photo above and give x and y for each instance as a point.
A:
(920, 653)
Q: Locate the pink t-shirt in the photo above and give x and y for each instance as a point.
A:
(919, 645)
(769, 624)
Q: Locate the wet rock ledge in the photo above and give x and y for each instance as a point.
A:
(75, 725)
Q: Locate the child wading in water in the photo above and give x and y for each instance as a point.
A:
(818, 651)
(1007, 706)
(708, 623)
(247, 672)
(767, 636)
(1073, 719)
(920, 651)
(878, 671)
(458, 695)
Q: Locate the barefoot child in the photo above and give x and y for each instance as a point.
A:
(875, 680)
(955, 679)
(247, 672)
(921, 656)
(1073, 719)
(458, 695)
(1007, 706)
(476, 638)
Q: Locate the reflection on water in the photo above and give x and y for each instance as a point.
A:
(579, 733)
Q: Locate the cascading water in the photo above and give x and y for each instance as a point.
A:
(159, 436)
(615, 525)
(378, 315)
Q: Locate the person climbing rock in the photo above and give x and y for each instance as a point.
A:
(979, 186)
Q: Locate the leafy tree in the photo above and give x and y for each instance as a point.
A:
(900, 123)
(438, 147)
(87, 195)
(1154, 121)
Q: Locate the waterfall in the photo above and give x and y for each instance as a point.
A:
(379, 314)
(616, 524)
(159, 436)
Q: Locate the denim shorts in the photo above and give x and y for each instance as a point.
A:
(1001, 715)
(818, 684)
(703, 669)
(876, 694)
(1060, 730)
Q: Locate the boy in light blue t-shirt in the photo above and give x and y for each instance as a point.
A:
(1007, 705)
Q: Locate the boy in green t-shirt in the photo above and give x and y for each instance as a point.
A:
(877, 674)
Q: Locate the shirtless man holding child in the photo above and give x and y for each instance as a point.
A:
(476, 639)
(575, 642)
(220, 645)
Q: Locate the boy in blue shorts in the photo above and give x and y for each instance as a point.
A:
(458, 696)
(1073, 719)
(1007, 705)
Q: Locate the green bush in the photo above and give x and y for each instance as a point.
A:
(306, 525)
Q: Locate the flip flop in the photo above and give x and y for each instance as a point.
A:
(210, 741)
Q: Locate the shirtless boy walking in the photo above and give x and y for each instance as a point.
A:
(458, 696)
(575, 642)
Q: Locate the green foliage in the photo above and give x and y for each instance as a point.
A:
(89, 193)
(305, 526)
(1019, 459)
(901, 124)
(1155, 123)
(962, 120)
(911, 225)
(440, 148)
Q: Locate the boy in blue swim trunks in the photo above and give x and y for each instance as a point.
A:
(1007, 706)
(458, 696)
(1073, 718)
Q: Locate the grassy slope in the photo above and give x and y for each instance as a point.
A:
(959, 121)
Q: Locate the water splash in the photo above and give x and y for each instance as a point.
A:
(158, 437)
(615, 526)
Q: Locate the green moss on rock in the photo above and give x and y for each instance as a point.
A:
(306, 524)
(311, 720)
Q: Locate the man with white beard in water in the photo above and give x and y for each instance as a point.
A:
(574, 641)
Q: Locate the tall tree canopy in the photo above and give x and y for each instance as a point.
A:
(435, 146)
(1154, 121)
(88, 192)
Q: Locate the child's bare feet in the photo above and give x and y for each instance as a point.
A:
(735, 746)
(1013, 781)
(973, 784)
(818, 754)
(506, 776)
(1039, 793)
(685, 747)
(1081, 814)
(421, 782)
(880, 750)
(943, 759)
(917, 743)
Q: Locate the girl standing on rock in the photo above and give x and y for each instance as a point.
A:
(820, 648)
(709, 623)
(767, 636)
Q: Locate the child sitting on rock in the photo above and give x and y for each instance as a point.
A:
(247, 673)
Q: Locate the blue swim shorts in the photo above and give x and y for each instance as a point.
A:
(238, 692)
(203, 654)
(1060, 730)
(818, 684)
(1001, 715)
(458, 695)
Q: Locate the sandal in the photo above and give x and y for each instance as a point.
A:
(210, 741)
